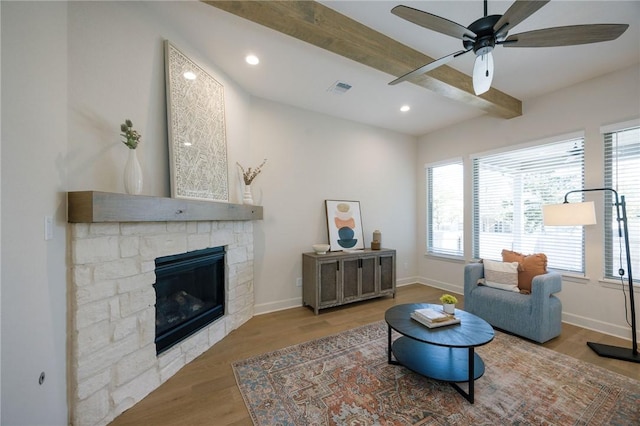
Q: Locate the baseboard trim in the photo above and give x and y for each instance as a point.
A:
(577, 320)
(407, 281)
(448, 287)
(280, 305)
(296, 302)
(599, 326)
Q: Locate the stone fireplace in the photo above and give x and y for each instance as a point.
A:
(112, 353)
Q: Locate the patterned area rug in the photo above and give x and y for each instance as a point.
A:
(345, 380)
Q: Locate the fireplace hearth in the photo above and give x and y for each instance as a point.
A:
(190, 294)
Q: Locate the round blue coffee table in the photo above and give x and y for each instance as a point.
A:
(444, 353)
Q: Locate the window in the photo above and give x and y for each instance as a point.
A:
(509, 189)
(622, 173)
(445, 212)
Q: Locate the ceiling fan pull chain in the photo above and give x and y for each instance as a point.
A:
(487, 65)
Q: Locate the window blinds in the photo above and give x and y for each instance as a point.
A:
(509, 189)
(622, 173)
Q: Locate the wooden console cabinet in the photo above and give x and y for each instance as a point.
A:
(337, 278)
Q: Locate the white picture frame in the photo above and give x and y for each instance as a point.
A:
(197, 133)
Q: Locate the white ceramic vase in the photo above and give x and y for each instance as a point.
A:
(133, 174)
(247, 198)
(449, 308)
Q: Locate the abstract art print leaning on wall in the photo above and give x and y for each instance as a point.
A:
(344, 223)
(197, 137)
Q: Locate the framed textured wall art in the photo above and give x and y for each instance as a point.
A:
(197, 136)
(344, 223)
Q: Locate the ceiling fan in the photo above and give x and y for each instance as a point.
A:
(483, 35)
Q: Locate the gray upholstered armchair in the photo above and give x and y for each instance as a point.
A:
(536, 316)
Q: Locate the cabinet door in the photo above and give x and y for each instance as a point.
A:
(387, 273)
(350, 278)
(368, 275)
(328, 282)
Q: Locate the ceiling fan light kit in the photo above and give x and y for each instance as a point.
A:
(482, 73)
(484, 34)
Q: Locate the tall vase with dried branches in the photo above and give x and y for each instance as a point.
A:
(248, 176)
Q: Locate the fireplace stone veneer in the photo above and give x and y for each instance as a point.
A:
(112, 360)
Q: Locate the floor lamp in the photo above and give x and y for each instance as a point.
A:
(573, 214)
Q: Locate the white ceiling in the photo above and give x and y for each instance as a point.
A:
(298, 74)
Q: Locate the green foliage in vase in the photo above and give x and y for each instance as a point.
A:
(131, 137)
(448, 299)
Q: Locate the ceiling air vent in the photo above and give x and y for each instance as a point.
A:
(339, 87)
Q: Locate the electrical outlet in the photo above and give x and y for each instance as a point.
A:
(298, 282)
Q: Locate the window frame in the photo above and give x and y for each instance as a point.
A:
(429, 192)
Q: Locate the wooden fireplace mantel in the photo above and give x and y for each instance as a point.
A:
(96, 206)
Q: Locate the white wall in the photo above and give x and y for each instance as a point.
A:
(34, 141)
(583, 107)
(312, 158)
(116, 71)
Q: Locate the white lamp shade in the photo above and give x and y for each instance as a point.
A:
(569, 214)
(482, 73)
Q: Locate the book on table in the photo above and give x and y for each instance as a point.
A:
(433, 318)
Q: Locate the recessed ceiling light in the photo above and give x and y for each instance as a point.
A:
(189, 75)
(252, 60)
(405, 108)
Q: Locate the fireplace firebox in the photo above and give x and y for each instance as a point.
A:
(190, 293)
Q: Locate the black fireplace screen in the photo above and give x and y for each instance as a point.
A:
(189, 294)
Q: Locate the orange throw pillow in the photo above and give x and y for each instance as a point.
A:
(530, 266)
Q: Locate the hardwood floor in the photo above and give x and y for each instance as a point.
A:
(205, 392)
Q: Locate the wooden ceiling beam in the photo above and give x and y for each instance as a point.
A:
(323, 27)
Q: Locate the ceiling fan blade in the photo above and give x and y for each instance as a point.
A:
(428, 67)
(566, 36)
(518, 12)
(433, 22)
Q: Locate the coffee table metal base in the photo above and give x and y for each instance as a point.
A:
(453, 365)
